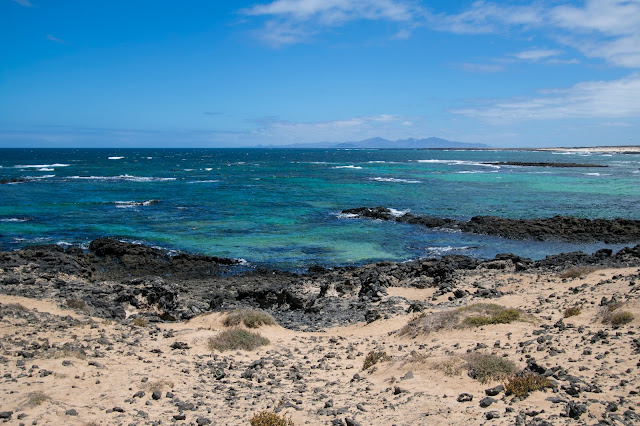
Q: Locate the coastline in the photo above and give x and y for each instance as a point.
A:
(621, 149)
(100, 333)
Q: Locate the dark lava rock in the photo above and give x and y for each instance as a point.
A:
(350, 422)
(575, 410)
(563, 228)
(71, 412)
(156, 395)
(494, 391)
(492, 415)
(485, 402)
(465, 397)
(6, 414)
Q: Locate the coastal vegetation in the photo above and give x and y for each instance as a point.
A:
(251, 318)
(237, 339)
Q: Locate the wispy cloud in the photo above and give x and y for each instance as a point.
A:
(25, 3)
(352, 128)
(604, 29)
(478, 68)
(594, 99)
(537, 54)
(294, 21)
(55, 39)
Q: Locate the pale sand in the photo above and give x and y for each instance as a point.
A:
(597, 149)
(311, 374)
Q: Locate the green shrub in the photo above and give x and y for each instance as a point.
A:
(267, 418)
(251, 318)
(235, 339)
(374, 357)
(426, 323)
(487, 367)
(572, 311)
(489, 313)
(522, 385)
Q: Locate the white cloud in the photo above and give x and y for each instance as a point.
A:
(604, 29)
(537, 54)
(294, 21)
(55, 39)
(594, 99)
(25, 3)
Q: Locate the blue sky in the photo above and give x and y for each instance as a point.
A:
(238, 73)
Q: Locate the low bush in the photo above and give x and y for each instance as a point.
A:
(37, 398)
(267, 418)
(577, 271)
(572, 311)
(621, 317)
(475, 315)
(451, 366)
(140, 322)
(522, 385)
(374, 357)
(251, 318)
(78, 304)
(611, 315)
(480, 314)
(487, 367)
(235, 339)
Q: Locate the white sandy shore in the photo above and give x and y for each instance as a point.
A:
(598, 149)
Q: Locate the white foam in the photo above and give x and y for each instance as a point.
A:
(447, 249)
(46, 169)
(204, 181)
(460, 163)
(40, 177)
(40, 166)
(127, 178)
(351, 166)
(116, 158)
(347, 216)
(398, 213)
(596, 174)
(14, 219)
(382, 179)
(131, 204)
(208, 169)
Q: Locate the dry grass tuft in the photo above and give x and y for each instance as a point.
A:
(158, 385)
(611, 314)
(77, 304)
(251, 318)
(577, 271)
(37, 398)
(451, 366)
(523, 385)
(140, 322)
(475, 315)
(235, 339)
(572, 311)
(267, 418)
(374, 357)
(488, 367)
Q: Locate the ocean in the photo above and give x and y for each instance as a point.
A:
(281, 208)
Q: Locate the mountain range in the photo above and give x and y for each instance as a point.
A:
(410, 143)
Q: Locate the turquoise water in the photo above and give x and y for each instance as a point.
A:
(281, 208)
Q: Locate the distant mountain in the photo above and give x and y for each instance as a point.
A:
(410, 143)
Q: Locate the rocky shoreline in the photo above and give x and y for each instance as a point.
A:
(119, 280)
(557, 228)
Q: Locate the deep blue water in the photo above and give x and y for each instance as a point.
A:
(281, 208)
